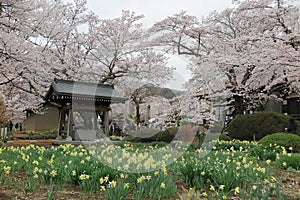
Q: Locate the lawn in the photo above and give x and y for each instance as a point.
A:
(230, 170)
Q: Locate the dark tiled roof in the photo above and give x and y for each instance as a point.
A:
(84, 89)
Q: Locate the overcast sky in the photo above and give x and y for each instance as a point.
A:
(156, 10)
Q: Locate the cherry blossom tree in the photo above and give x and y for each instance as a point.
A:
(120, 53)
(244, 54)
(42, 40)
(141, 95)
(119, 48)
(38, 42)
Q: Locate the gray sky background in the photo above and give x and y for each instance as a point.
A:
(156, 10)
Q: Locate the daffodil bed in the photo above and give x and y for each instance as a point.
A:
(230, 170)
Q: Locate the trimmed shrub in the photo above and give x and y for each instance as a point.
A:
(286, 140)
(257, 125)
(167, 135)
(129, 138)
(146, 135)
(224, 137)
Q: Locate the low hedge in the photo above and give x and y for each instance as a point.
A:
(167, 135)
(149, 135)
(224, 137)
(286, 140)
(257, 125)
(181, 133)
(145, 135)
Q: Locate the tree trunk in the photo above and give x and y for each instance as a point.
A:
(138, 115)
(239, 105)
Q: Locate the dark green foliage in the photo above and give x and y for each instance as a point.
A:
(151, 189)
(191, 173)
(257, 125)
(206, 140)
(167, 135)
(236, 145)
(264, 152)
(150, 135)
(158, 144)
(224, 137)
(52, 134)
(145, 135)
(291, 161)
(286, 140)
